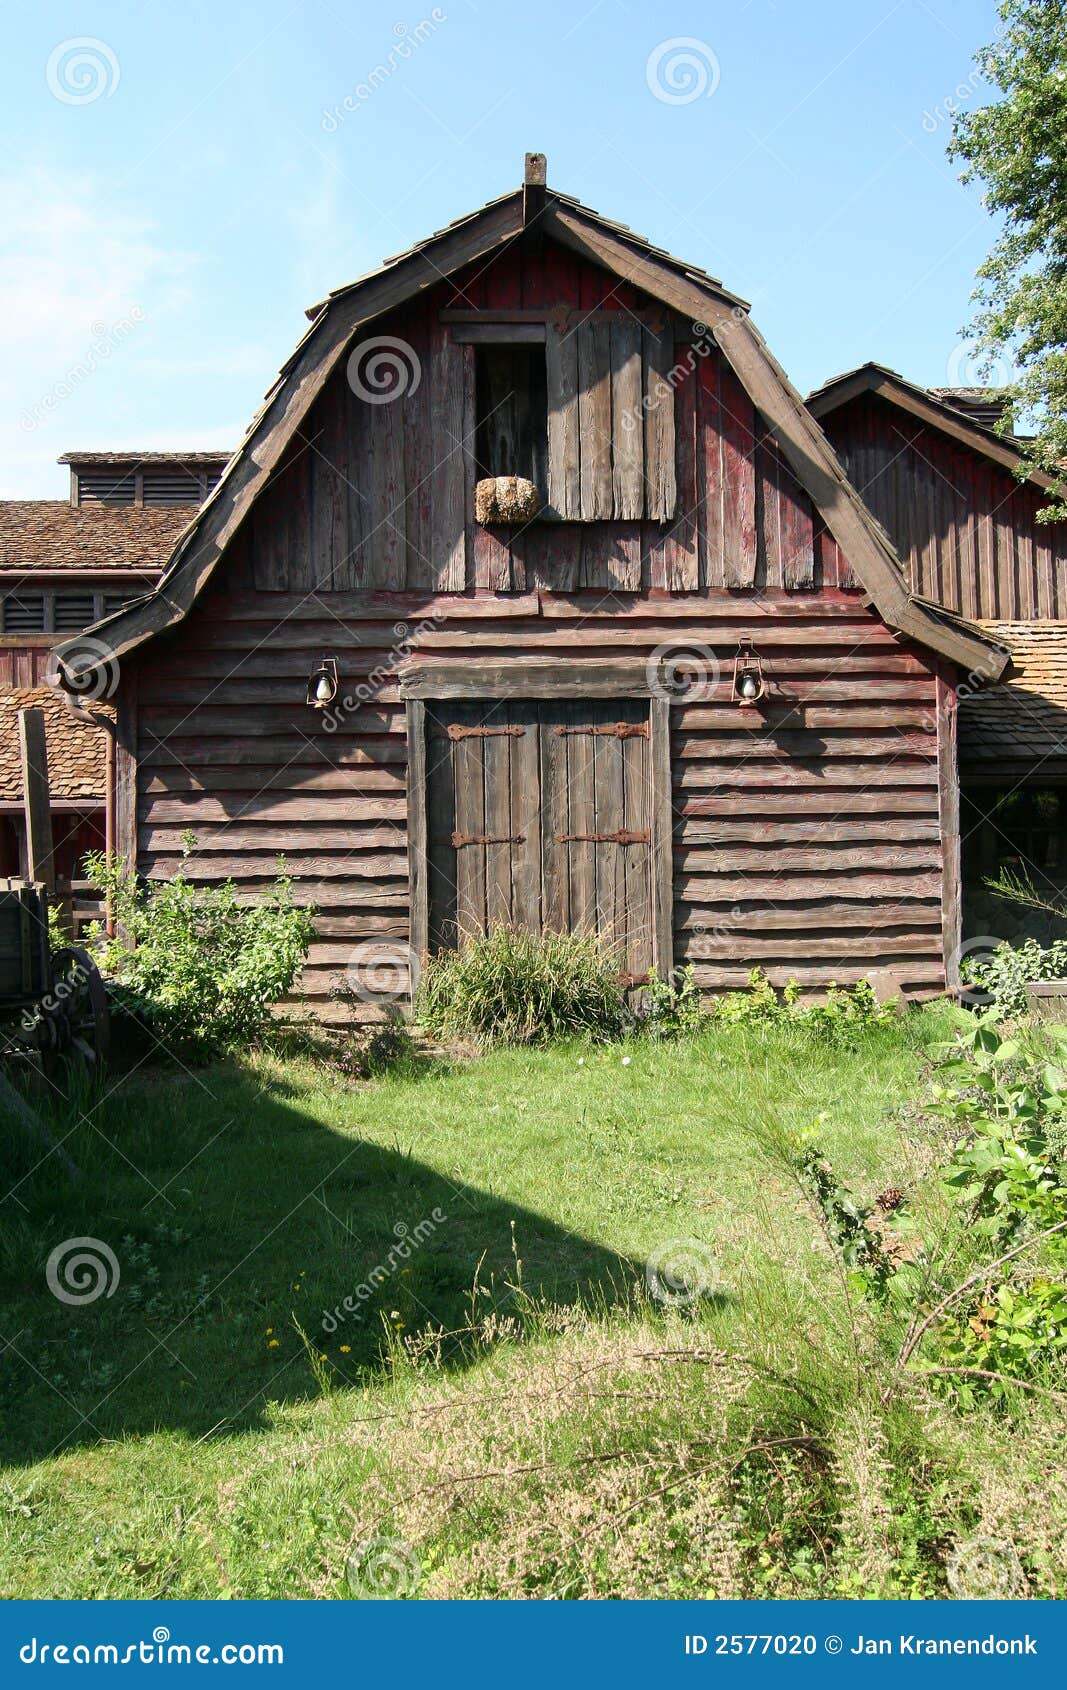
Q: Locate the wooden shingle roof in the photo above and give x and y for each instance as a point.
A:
(1020, 725)
(45, 535)
(76, 750)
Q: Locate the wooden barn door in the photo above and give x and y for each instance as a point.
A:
(538, 814)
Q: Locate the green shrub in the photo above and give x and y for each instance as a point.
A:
(673, 1006)
(837, 1017)
(1004, 973)
(203, 970)
(511, 986)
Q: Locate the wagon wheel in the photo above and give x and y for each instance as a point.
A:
(78, 1003)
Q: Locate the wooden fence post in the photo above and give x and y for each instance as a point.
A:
(36, 798)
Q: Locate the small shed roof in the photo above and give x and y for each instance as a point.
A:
(76, 750)
(1020, 726)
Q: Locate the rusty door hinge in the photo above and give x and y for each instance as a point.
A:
(459, 839)
(457, 731)
(625, 836)
(610, 730)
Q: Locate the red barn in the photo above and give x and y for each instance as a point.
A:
(536, 594)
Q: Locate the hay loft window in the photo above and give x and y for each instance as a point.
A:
(511, 398)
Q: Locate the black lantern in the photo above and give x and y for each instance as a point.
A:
(749, 684)
(323, 684)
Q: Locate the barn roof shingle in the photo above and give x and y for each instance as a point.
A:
(41, 535)
(1022, 723)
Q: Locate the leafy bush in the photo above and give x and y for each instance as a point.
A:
(511, 986)
(203, 970)
(1003, 975)
(837, 1017)
(985, 1311)
(673, 1006)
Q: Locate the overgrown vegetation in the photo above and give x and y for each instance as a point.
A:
(511, 986)
(204, 969)
(549, 1323)
(1000, 976)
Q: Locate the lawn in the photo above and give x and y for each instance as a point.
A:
(519, 1396)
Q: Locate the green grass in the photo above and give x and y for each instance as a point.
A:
(511, 1412)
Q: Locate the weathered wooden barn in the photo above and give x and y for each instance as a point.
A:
(965, 523)
(691, 703)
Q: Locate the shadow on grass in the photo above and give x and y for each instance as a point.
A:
(229, 1216)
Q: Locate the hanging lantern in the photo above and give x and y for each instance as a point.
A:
(749, 684)
(323, 684)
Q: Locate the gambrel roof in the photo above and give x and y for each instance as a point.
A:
(675, 284)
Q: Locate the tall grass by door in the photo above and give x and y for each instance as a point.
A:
(511, 986)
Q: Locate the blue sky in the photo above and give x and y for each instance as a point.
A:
(159, 240)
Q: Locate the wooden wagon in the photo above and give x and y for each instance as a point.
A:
(52, 1001)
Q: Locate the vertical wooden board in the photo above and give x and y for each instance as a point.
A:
(336, 519)
(661, 490)
(581, 818)
(967, 603)
(986, 543)
(594, 418)
(683, 560)
(526, 817)
(388, 542)
(36, 797)
(1023, 540)
(637, 858)
(270, 539)
(554, 552)
(795, 527)
(564, 451)
(622, 565)
(627, 419)
(738, 480)
(661, 822)
(469, 772)
(451, 382)
(418, 853)
(360, 490)
(441, 854)
(1057, 533)
(300, 573)
(710, 475)
(555, 871)
(1046, 590)
(499, 822)
(608, 804)
(419, 572)
(768, 469)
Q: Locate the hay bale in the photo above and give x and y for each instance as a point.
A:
(506, 498)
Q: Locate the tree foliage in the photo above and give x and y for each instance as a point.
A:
(1016, 147)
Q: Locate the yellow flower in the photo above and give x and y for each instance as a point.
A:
(296, 1285)
(346, 1349)
(270, 1331)
(273, 1345)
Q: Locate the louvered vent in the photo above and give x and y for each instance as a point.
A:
(74, 611)
(24, 613)
(114, 602)
(171, 487)
(103, 487)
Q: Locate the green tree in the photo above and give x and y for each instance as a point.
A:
(1016, 147)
